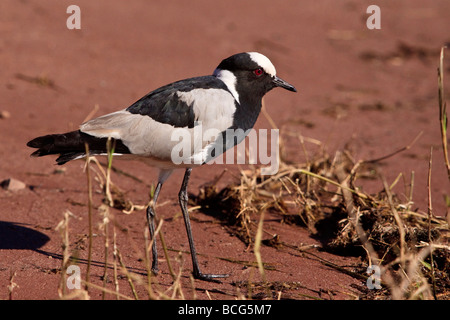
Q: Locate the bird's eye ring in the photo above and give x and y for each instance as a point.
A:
(258, 72)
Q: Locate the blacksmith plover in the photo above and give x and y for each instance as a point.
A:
(230, 98)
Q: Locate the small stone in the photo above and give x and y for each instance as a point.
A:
(5, 114)
(12, 184)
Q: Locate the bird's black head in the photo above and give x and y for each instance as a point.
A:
(250, 73)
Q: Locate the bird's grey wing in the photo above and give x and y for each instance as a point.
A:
(164, 105)
(148, 126)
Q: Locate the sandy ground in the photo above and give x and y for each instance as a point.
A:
(369, 91)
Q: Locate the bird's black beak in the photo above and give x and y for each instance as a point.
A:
(278, 82)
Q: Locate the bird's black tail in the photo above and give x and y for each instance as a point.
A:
(71, 146)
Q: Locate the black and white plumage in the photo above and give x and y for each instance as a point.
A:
(230, 98)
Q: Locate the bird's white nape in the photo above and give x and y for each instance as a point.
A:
(229, 79)
(264, 62)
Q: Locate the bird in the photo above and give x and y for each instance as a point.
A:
(227, 101)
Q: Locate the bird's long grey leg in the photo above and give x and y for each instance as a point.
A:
(151, 226)
(164, 174)
(183, 198)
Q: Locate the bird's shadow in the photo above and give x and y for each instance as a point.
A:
(17, 236)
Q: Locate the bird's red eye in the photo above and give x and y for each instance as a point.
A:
(258, 72)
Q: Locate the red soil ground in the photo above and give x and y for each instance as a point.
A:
(370, 91)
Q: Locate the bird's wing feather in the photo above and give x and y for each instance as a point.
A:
(145, 126)
(163, 104)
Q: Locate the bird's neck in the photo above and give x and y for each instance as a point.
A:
(248, 101)
(247, 112)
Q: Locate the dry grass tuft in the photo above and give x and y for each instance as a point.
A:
(322, 197)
